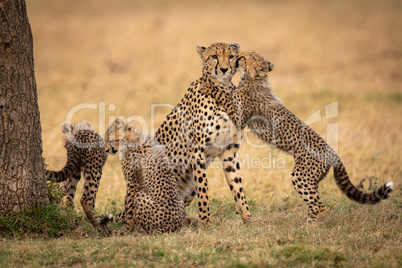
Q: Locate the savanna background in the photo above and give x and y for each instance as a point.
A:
(118, 58)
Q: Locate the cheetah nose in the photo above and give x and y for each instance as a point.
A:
(224, 70)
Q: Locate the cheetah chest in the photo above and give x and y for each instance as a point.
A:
(223, 134)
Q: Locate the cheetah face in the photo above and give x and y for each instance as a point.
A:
(219, 60)
(120, 135)
(253, 66)
(114, 137)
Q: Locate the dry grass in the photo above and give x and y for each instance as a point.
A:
(132, 54)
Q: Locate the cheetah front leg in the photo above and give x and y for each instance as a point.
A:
(231, 167)
(200, 177)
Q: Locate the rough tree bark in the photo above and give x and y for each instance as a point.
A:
(22, 172)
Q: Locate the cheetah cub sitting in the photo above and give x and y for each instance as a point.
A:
(153, 201)
(254, 105)
(85, 153)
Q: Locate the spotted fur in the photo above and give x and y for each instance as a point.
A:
(152, 201)
(254, 105)
(197, 131)
(85, 154)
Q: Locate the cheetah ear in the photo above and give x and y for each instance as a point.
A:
(240, 61)
(117, 121)
(66, 127)
(270, 66)
(235, 45)
(200, 50)
(129, 121)
(129, 124)
(87, 124)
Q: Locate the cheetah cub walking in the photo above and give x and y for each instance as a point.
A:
(85, 154)
(153, 201)
(254, 105)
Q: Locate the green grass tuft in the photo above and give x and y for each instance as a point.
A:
(291, 255)
(51, 221)
(55, 193)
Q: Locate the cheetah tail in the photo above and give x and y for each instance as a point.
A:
(344, 183)
(65, 173)
(105, 220)
(59, 176)
(120, 217)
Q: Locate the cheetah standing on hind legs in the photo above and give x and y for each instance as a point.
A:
(152, 201)
(254, 105)
(85, 153)
(197, 131)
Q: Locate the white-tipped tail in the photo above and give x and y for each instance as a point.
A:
(390, 185)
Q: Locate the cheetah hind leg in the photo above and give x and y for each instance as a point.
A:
(70, 188)
(150, 216)
(138, 211)
(309, 193)
(87, 200)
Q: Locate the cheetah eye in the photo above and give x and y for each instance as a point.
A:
(231, 57)
(214, 57)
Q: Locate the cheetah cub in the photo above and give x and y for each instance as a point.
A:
(85, 154)
(152, 201)
(254, 105)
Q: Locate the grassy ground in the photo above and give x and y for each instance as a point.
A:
(105, 59)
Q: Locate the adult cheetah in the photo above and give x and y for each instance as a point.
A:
(85, 154)
(254, 105)
(152, 201)
(197, 131)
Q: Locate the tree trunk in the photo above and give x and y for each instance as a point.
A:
(22, 172)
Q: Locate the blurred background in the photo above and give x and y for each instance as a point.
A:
(96, 60)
